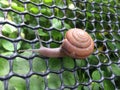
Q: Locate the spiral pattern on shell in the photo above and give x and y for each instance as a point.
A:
(77, 43)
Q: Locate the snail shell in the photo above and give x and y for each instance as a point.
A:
(77, 43)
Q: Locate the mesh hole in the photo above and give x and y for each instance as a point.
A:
(33, 9)
(83, 76)
(27, 33)
(93, 60)
(39, 65)
(106, 71)
(81, 63)
(37, 83)
(54, 64)
(58, 12)
(103, 58)
(16, 82)
(53, 78)
(68, 76)
(9, 31)
(44, 22)
(7, 47)
(28, 18)
(68, 63)
(108, 83)
(46, 11)
(17, 63)
(14, 18)
(16, 4)
(96, 75)
(1, 85)
(4, 67)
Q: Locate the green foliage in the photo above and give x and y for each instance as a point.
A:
(69, 65)
(115, 69)
(56, 35)
(96, 86)
(4, 67)
(39, 65)
(16, 83)
(68, 78)
(46, 11)
(33, 9)
(53, 81)
(108, 85)
(54, 64)
(37, 83)
(1, 85)
(56, 24)
(17, 66)
(6, 45)
(96, 75)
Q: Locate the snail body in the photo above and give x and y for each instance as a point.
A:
(77, 44)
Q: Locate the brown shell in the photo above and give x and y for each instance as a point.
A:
(77, 43)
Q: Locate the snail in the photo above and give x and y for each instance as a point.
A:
(76, 44)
